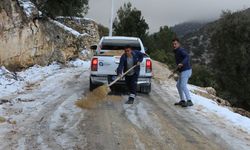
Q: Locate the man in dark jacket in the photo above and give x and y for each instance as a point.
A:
(184, 67)
(128, 60)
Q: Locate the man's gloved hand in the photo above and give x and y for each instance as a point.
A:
(119, 75)
(138, 63)
(180, 65)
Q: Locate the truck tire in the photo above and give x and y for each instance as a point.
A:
(146, 88)
(91, 85)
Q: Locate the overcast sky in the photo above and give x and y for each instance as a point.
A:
(167, 12)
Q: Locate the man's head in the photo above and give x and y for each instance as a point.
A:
(128, 50)
(176, 43)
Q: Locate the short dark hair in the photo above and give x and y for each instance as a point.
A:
(175, 39)
(127, 46)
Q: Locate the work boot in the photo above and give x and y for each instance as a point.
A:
(130, 100)
(189, 103)
(180, 102)
(184, 104)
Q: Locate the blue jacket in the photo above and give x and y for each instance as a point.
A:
(181, 56)
(137, 57)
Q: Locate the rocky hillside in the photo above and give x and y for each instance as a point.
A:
(199, 42)
(27, 38)
(187, 27)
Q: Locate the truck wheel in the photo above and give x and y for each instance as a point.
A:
(91, 85)
(146, 89)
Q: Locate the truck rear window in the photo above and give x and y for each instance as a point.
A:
(117, 44)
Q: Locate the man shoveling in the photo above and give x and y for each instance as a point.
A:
(129, 67)
(129, 59)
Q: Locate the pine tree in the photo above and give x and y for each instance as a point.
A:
(159, 45)
(103, 31)
(129, 22)
(231, 44)
(55, 8)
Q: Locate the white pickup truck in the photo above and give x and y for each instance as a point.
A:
(107, 57)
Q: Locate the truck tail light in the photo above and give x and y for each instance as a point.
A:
(94, 64)
(148, 66)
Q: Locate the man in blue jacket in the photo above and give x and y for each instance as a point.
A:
(128, 60)
(184, 67)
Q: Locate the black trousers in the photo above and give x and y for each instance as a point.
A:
(131, 82)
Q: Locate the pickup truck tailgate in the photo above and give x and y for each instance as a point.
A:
(107, 65)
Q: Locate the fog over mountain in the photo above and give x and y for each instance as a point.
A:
(167, 12)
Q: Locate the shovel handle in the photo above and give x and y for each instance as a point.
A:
(172, 74)
(113, 82)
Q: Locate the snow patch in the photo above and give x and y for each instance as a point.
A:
(75, 18)
(143, 117)
(21, 143)
(68, 29)
(28, 7)
(22, 105)
(30, 76)
(132, 115)
(63, 119)
(80, 63)
(211, 107)
(85, 53)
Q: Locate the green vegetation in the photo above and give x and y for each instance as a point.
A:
(129, 22)
(103, 31)
(53, 8)
(231, 45)
(227, 41)
(159, 46)
(202, 76)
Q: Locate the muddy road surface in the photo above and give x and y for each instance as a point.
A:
(43, 116)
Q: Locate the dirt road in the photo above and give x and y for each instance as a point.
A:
(46, 118)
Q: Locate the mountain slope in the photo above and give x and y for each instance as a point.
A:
(187, 27)
(199, 42)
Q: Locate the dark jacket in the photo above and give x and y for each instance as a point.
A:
(181, 56)
(137, 57)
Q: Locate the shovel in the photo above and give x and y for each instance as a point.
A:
(172, 74)
(119, 77)
(98, 94)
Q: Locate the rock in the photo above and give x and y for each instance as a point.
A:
(222, 101)
(242, 112)
(26, 40)
(2, 101)
(211, 90)
(218, 100)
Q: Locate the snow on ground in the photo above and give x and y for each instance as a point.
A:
(207, 106)
(85, 53)
(80, 63)
(212, 107)
(76, 18)
(65, 111)
(28, 104)
(142, 115)
(31, 76)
